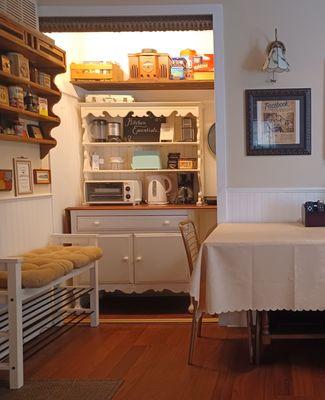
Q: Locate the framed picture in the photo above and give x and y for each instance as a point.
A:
(34, 131)
(5, 179)
(42, 176)
(23, 176)
(278, 122)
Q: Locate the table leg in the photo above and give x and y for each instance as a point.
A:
(250, 328)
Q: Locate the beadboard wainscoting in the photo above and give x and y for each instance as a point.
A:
(26, 223)
(269, 204)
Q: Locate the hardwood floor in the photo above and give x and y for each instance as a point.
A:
(151, 359)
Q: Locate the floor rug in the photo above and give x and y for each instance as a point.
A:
(62, 390)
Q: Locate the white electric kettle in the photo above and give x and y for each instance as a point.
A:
(157, 192)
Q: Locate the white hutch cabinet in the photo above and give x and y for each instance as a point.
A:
(143, 249)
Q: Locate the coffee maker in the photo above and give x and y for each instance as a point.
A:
(185, 191)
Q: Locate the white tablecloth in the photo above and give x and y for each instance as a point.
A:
(261, 267)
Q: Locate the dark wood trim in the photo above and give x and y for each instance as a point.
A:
(126, 24)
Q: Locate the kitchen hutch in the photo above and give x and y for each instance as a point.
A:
(143, 248)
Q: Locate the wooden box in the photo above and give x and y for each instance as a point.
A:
(96, 71)
(45, 46)
(150, 65)
(11, 31)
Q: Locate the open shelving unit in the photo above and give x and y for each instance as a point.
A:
(16, 112)
(26, 84)
(46, 57)
(14, 138)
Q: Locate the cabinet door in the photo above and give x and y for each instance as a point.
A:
(159, 258)
(116, 265)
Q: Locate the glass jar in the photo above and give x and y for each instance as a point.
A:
(98, 130)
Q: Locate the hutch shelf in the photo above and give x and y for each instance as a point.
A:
(42, 54)
(144, 85)
(172, 111)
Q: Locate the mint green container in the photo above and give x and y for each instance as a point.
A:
(143, 159)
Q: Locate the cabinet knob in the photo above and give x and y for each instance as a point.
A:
(166, 222)
(96, 223)
(138, 259)
(126, 258)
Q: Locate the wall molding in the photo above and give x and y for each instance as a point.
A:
(276, 189)
(28, 197)
(269, 204)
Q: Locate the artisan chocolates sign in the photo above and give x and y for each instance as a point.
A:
(142, 129)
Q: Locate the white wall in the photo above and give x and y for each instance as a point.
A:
(66, 159)
(25, 222)
(272, 188)
(249, 26)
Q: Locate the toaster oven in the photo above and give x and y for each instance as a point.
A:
(113, 192)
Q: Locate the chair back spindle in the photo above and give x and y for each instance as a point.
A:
(191, 242)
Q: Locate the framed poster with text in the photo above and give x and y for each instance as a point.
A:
(278, 121)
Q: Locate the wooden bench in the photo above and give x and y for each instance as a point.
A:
(27, 312)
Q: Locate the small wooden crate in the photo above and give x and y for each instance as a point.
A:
(96, 71)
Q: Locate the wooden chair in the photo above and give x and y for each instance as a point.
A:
(192, 247)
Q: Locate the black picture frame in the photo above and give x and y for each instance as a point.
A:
(269, 132)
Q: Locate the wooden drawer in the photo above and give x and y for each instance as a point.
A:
(168, 223)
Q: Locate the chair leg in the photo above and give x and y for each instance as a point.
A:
(193, 333)
(199, 326)
(250, 328)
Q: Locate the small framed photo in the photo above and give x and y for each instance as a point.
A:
(34, 131)
(5, 180)
(278, 122)
(42, 176)
(23, 176)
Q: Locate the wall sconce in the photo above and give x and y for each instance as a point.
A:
(276, 61)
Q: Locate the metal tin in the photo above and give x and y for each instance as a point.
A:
(4, 97)
(16, 97)
(113, 131)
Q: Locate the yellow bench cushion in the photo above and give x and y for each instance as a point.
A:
(42, 266)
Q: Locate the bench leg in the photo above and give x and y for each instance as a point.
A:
(16, 360)
(94, 296)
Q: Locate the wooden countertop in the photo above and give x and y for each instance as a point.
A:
(143, 207)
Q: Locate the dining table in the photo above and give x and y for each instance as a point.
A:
(260, 267)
